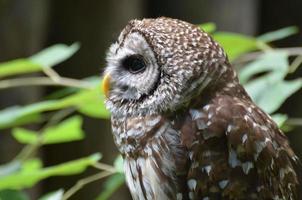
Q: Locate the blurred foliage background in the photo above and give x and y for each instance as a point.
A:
(55, 140)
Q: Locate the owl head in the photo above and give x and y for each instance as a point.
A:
(159, 65)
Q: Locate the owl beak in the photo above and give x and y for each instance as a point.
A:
(106, 85)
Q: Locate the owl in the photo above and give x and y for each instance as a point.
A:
(184, 125)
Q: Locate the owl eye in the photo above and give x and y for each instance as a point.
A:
(134, 64)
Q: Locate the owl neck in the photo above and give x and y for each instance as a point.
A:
(227, 84)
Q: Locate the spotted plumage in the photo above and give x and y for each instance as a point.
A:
(185, 126)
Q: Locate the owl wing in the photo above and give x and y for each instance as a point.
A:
(239, 153)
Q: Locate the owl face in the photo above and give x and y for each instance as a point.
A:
(157, 65)
(133, 69)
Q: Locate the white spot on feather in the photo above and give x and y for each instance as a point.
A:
(179, 196)
(153, 122)
(259, 147)
(255, 125)
(194, 165)
(229, 128)
(207, 168)
(247, 166)
(196, 114)
(200, 124)
(223, 183)
(267, 140)
(233, 161)
(192, 184)
(210, 115)
(244, 138)
(191, 155)
(207, 107)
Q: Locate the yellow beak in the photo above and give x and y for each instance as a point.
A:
(106, 85)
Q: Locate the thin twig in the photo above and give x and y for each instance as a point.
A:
(52, 74)
(82, 182)
(294, 121)
(44, 81)
(105, 167)
(58, 116)
(295, 64)
(264, 46)
(29, 150)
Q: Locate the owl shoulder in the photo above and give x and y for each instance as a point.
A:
(245, 126)
(252, 143)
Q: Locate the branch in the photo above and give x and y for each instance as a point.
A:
(294, 121)
(44, 81)
(295, 64)
(82, 182)
(105, 167)
(30, 149)
(52, 74)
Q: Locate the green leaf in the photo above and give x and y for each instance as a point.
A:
(111, 185)
(235, 44)
(273, 61)
(19, 66)
(25, 136)
(26, 178)
(13, 195)
(118, 164)
(9, 168)
(270, 95)
(17, 115)
(66, 131)
(278, 34)
(15, 166)
(32, 165)
(280, 119)
(94, 105)
(208, 27)
(56, 195)
(26, 114)
(54, 55)
(48, 57)
(269, 91)
(88, 102)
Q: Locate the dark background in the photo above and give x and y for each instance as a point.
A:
(27, 26)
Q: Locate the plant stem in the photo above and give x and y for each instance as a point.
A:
(82, 182)
(58, 116)
(294, 121)
(52, 74)
(44, 81)
(31, 149)
(105, 167)
(295, 64)
(264, 46)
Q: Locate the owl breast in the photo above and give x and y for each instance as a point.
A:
(154, 158)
